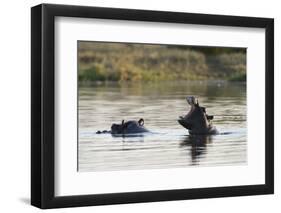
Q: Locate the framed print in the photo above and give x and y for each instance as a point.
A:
(139, 106)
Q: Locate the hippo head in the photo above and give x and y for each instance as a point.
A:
(129, 127)
(196, 121)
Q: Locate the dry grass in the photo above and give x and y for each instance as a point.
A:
(99, 61)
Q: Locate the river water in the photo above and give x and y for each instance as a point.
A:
(169, 145)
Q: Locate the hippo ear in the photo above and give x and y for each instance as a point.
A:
(141, 122)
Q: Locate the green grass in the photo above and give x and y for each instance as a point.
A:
(99, 61)
(238, 77)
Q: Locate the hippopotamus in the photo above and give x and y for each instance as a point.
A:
(128, 127)
(197, 121)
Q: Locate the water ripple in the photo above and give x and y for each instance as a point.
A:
(169, 145)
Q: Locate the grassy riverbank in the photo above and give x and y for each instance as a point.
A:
(98, 61)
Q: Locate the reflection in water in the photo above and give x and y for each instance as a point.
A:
(168, 145)
(197, 145)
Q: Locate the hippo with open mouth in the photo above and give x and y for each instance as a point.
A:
(197, 121)
(125, 128)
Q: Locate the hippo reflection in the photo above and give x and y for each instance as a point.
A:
(127, 128)
(197, 145)
(197, 121)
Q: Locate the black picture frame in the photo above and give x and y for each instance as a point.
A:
(43, 105)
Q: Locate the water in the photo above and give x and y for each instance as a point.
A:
(169, 145)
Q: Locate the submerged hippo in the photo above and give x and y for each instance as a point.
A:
(197, 121)
(128, 127)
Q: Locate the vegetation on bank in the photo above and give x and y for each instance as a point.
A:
(100, 61)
